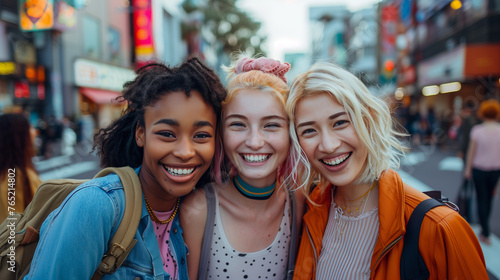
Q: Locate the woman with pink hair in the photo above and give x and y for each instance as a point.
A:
(251, 235)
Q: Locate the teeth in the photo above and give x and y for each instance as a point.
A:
(179, 171)
(336, 161)
(256, 158)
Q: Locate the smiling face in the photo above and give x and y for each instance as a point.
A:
(255, 135)
(329, 139)
(179, 142)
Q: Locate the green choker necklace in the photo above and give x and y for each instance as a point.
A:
(252, 192)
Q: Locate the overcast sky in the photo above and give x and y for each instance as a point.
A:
(286, 22)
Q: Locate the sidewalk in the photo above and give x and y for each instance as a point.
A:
(66, 166)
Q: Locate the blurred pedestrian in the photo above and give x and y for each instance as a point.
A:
(468, 120)
(483, 162)
(43, 135)
(18, 177)
(68, 137)
(433, 126)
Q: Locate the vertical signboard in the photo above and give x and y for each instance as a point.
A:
(406, 11)
(65, 17)
(388, 34)
(143, 30)
(36, 15)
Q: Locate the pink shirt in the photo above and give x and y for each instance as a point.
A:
(487, 138)
(162, 232)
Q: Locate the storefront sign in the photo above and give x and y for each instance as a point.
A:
(36, 14)
(21, 89)
(143, 29)
(40, 88)
(65, 17)
(388, 34)
(442, 68)
(7, 68)
(482, 60)
(93, 74)
(24, 52)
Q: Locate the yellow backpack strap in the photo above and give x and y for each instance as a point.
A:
(123, 241)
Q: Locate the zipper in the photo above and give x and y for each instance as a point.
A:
(386, 249)
(312, 245)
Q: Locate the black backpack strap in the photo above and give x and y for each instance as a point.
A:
(412, 264)
(294, 241)
(207, 236)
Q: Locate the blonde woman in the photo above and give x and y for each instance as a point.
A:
(357, 215)
(252, 231)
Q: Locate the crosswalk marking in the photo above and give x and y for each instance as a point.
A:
(452, 164)
(51, 162)
(414, 182)
(70, 170)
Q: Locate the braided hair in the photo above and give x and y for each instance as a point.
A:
(116, 144)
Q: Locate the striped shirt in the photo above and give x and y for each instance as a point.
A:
(348, 245)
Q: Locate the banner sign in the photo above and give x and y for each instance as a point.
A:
(143, 29)
(65, 17)
(36, 15)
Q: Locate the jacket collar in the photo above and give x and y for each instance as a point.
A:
(144, 210)
(391, 211)
(391, 203)
(316, 217)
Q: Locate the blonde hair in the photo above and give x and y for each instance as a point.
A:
(369, 115)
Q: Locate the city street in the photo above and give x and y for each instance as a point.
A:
(424, 168)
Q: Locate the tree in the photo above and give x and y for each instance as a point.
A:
(224, 24)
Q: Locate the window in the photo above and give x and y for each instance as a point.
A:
(91, 37)
(114, 45)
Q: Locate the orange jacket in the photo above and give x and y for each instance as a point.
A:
(447, 243)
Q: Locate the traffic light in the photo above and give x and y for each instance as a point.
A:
(388, 72)
(389, 65)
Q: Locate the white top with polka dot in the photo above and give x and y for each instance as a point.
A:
(270, 263)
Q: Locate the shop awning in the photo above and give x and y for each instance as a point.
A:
(100, 96)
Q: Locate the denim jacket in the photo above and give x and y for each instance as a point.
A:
(75, 236)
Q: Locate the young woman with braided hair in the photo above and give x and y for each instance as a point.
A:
(251, 234)
(168, 133)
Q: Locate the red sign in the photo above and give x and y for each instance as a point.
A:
(41, 91)
(143, 29)
(388, 30)
(21, 89)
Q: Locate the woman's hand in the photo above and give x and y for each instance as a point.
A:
(467, 174)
